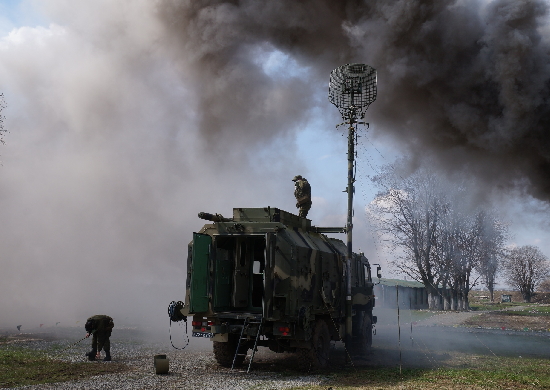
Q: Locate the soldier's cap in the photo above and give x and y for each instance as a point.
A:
(297, 177)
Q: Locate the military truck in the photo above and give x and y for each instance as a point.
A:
(269, 278)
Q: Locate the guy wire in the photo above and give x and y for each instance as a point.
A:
(340, 337)
(484, 344)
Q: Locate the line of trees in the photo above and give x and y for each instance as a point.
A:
(437, 237)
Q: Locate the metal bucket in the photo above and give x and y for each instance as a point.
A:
(161, 364)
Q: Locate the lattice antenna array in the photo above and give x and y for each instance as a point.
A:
(352, 88)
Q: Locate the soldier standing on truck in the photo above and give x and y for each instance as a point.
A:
(302, 192)
(100, 326)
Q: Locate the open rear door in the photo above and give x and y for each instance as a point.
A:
(198, 300)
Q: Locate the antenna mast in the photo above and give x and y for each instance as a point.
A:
(352, 88)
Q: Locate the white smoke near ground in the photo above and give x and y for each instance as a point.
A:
(105, 168)
(127, 118)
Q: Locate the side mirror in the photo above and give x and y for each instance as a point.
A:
(378, 274)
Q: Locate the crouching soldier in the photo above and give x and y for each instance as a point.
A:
(100, 326)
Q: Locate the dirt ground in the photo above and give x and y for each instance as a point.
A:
(496, 320)
(500, 317)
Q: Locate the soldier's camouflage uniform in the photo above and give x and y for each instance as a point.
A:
(302, 192)
(100, 326)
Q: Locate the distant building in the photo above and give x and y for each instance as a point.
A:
(412, 295)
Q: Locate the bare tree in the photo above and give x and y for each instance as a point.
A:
(494, 234)
(458, 243)
(482, 239)
(544, 286)
(448, 254)
(525, 268)
(443, 253)
(443, 240)
(407, 212)
(466, 236)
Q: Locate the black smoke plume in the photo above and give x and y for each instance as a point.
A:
(466, 81)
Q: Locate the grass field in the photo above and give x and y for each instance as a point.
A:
(476, 372)
(20, 366)
(512, 315)
(490, 306)
(468, 371)
(531, 311)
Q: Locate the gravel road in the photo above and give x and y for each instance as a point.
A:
(432, 342)
(451, 318)
(192, 368)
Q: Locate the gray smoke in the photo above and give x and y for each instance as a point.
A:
(105, 168)
(127, 118)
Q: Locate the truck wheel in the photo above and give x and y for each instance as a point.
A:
(318, 355)
(363, 341)
(224, 353)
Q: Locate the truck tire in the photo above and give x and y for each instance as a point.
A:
(363, 341)
(224, 353)
(318, 355)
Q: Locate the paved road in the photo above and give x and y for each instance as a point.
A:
(436, 341)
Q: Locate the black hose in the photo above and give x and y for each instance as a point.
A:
(174, 313)
(72, 345)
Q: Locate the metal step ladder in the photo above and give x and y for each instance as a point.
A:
(249, 322)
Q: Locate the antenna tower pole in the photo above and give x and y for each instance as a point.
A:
(349, 229)
(352, 88)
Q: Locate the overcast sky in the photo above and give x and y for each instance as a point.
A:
(127, 118)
